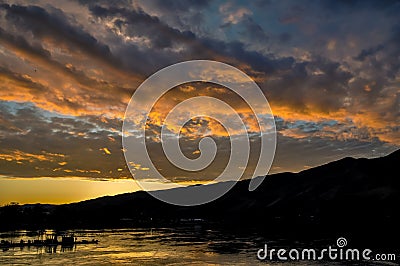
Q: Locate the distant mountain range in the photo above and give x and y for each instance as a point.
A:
(358, 197)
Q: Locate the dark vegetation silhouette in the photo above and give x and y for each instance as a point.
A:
(357, 198)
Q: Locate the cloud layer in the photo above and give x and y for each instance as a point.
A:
(330, 71)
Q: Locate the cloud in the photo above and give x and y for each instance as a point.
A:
(368, 52)
(106, 151)
(20, 157)
(318, 85)
(232, 14)
(48, 144)
(54, 27)
(42, 84)
(68, 70)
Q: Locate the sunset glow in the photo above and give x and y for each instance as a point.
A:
(69, 68)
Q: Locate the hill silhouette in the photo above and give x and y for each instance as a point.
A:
(357, 197)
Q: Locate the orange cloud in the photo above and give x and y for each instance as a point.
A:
(106, 150)
(19, 156)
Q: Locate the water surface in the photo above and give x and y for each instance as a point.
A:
(192, 245)
(165, 246)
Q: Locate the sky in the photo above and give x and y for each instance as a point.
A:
(329, 69)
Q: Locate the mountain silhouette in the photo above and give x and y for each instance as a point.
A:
(357, 197)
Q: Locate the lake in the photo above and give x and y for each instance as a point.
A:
(191, 245)
(162, 246)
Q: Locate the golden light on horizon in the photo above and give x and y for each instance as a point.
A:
(60, 190)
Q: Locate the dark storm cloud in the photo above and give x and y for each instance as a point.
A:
(368, 52)
(252, 32)
(343, 5)
(393, 53)
(55, 25)
(257, 61)
(63, 32)
(383, 57)
(376, 84)
(318, 84)
(186, 15)
(174, 6)
(108, 2)
(165, 36)
(142, 24)
(22, 44)
(138, 23)
(135, 22)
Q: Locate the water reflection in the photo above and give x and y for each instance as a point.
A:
(135, 247)
(162, 246)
